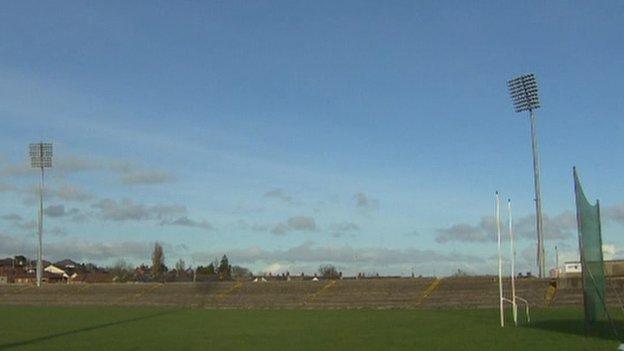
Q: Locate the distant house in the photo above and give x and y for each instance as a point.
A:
(56, 270)
(276, 277)
(92, 277)
(6, 274)
(17, 261)
(25, 278)
(20, 261)
(67, 263)
(58, 275)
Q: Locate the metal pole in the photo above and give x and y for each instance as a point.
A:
(556, 262)
(538, 197)
(40, 248)
(500, 263)
(513, 264)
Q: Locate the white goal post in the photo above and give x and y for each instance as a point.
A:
(514, 298)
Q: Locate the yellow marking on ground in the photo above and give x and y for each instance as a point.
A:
(319, 292)
(551, 292)
(430, 289)
(222, 295)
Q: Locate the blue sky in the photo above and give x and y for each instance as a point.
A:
(371, 135)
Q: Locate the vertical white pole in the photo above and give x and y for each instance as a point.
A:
(500, 263)
(556, 262)
(513, 264)
(40, 248)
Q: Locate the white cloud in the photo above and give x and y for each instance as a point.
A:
(464, 233)
(559, 227)
(75, 164)
(81, 250)
(184, 221)
(614, 213)
(54, 211)
(280, 195)
(344, 227)
(273, 268)
(147, 177)
(130, 174)
(128, 210)
(17, 170)
(310, 252)
(57, 231)
(72, 193)
(609, 251)
(303, 223)
(11, 217)
(297, 223)
(365, 202)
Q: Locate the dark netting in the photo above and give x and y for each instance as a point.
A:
(590, 247)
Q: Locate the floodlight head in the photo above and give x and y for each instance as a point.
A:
(523, 91)
(40, 155)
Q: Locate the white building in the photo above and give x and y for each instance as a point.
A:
(572, 267)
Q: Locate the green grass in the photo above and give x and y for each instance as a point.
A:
(108, 328)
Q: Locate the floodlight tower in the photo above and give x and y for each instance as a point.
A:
(523, 90)
(40, 157)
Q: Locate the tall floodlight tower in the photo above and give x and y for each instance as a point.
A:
(40, 157)
(524, 95)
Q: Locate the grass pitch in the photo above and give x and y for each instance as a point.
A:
(111, 328)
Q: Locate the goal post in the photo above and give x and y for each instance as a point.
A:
(514, 297)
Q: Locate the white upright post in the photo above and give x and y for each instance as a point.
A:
(40, 232)
(40, 157)
(513, 264)
(500, 263)
(556, 262)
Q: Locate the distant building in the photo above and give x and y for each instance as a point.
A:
(67, 263)
(572, 267)
(59, 275)
(25, 278)
(612, 268)
(92, 277)
(20, 261)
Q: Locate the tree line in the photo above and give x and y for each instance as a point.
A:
(158, 271)
(216, 270)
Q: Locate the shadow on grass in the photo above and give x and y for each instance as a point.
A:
(601, 330)
(81, 330)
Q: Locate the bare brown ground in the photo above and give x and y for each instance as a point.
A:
(474, 292)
